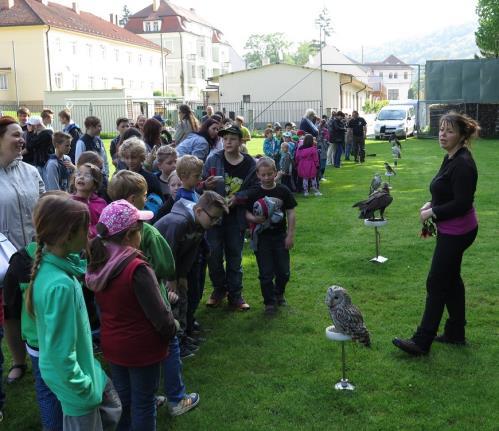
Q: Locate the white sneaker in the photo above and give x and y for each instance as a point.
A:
(317, 193)
(305, 194)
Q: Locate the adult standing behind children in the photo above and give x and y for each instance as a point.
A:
(200, 143)
(359, 131)
(40, 144)
(452, 194)
(91, 141)
(21, 186)
(187, 124)
(229, 172)
(307, 123)
(337, 135)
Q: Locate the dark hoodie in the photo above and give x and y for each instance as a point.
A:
(183, 234)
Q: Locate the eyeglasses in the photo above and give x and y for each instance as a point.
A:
(213, 219)
(84, 175)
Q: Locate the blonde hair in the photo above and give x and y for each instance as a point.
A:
(188, 165)
(133, 146)
(265, 162)
(164, 152)
(125, 184)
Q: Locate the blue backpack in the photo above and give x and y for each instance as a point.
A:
(153, 203)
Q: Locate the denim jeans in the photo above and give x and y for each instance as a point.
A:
(348, 150)
(172, 373)
(137, 388)
(2, 394)
(338, 151)
(227, 241)
(273, 266)
(49, 405)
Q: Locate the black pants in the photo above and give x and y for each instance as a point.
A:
(195, 282)
(273, 266)
(359, 148)
(445, 288)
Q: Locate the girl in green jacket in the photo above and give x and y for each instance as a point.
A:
(55, 299)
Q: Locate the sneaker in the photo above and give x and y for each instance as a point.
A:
(242, 305)
(214, 302)
(160, 401)
(185, 352)
(305, 194)
(184, 405)
(270, 310)
(317, 193)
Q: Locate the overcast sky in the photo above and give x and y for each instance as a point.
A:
(363, 22)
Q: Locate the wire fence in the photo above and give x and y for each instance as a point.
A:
(256, 114)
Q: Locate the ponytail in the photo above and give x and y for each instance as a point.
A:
(97, 253)
(28, 300)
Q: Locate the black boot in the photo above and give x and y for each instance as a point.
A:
(409, 346)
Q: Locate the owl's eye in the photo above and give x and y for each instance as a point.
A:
(336, 297)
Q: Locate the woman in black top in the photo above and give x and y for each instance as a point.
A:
(451, 207)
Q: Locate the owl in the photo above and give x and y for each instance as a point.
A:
(346, 317)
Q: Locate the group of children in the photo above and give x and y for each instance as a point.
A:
(133, 290)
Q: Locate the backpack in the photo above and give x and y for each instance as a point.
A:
(153, 203)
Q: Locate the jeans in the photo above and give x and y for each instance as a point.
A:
(322, 168)
(348, 149)
(137, 387)
(330, 154)
(2, 394)
(172, 373)
(338, 151)
(445, 288)
(226, 240)
(273, 266)
(359, 148)
(49, 405)
(195, 282)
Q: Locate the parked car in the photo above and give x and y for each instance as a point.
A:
(398, 119)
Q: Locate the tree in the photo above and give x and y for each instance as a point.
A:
(126, 14)
(303, 52)
(273, 46)
(487, 35)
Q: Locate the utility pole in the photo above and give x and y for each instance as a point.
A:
(324, 23)
(322, 85)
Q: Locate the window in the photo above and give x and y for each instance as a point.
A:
(216, 54)
(406, 75)
(129, 58)
(202, 72)
(395, 75)
(89, 50)
(246, 98)
(74, 47)
(76, 81)
(117, 55)
(156, 26)
(58, 45)
(390, 76)
(381, 74)
(118, 82)
(91, 82)
(103, 51)
(393, 94)
(147, 26)
(193, 71)
(201, 51)
(3, 82)
(58, 80)
(105, 83)
(139, 58)
(151, 26)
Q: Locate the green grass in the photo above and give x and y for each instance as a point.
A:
(255, 373)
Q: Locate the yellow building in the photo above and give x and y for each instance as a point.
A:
(45, 46)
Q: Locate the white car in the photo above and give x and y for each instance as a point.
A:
(398, 119)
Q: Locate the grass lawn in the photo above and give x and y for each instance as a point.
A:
(256, 373)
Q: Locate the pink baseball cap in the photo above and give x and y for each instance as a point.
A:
(121, 215)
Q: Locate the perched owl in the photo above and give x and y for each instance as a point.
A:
(346, 317)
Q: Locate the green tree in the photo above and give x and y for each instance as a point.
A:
(303, 52)
(273, 46)
(125, 15)
(487, 35)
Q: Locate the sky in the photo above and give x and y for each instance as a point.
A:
(367, 22)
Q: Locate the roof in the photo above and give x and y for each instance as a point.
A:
(390, 62)
(172, 17)
(34, 12)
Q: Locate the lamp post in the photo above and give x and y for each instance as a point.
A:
(324, 23)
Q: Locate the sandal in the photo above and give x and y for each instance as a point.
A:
(22, 367)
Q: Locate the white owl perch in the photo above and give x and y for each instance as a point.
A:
(348, 325)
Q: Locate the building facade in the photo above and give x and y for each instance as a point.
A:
(197, 49)
(49, 47)
(395, 76)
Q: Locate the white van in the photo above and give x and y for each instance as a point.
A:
(398, 119)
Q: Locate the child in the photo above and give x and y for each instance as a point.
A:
(189, 170)
(132, 187)
(54, 298)
(285, 165)
(166, 158)
(271, 145)
(174, 184)
(88, 179)
(94, 159)
(133, 154)
(59, 167)
(71, 128)
(122, 125)
(274, 239)
(184, 230)
(307, 161)
(136, 325)
(91, 141)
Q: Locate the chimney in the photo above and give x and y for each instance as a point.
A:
(75, 7)
(6, 4)
(45, 2)
(111, 18)
(116, 19)
(155, 5)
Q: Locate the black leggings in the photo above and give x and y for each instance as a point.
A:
(445, 288)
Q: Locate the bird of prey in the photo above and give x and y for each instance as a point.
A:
(389, 169)
(375, 183)
(377, 201)
(394, 141)
(346, 317)
(396, 152)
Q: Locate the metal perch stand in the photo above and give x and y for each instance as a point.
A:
(331, 334)
(377, 238)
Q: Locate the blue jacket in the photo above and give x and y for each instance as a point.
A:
(271, 147)
(195, 145)
(308, 127)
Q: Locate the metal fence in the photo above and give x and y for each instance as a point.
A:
(430, 112)
(256, 114)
